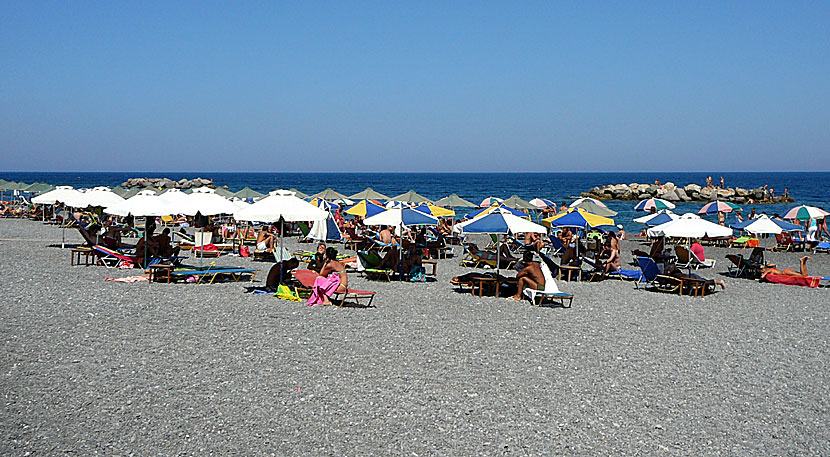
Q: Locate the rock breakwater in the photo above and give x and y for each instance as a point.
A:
(688, 193)
(168, 183)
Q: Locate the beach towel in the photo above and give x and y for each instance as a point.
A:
(206, 248)
(323, 285)
(808, 281)
(137, 278)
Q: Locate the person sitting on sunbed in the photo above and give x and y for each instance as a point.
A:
(265, 239)
(332, 279)
(533, 241)
(285, 267)
(150, 246)
(318, 260)
(613, 262)
(767, 270)
(531, 276)
(163, 246)
(386, 235)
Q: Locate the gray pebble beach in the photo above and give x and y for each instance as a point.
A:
(94, 367)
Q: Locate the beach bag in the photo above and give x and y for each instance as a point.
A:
(286, 293)
(244, 251)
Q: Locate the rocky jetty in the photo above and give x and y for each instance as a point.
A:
(688, 193)
(168, 183)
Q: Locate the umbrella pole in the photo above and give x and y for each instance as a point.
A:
(63, 230)
(498, 264)
(282, 225)
(400, 255)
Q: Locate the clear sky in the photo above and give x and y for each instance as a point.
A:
(417, 86)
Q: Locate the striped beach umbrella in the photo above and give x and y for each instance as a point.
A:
(496, 208)
(542, 203)
(653, 203)
(365, 208)
(718, 206)
(577, 217)
(579, 201)
(433, 210)
(804, 212)
(490, 201)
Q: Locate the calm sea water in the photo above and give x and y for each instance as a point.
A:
(808, 188)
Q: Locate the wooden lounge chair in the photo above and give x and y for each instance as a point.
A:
(307, 278)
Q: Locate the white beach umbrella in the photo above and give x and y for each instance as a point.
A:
(648, 217)
(763, 225)
(62, 194)
(207, 204)
(140, 205)
(281, 205)
(101, 196)
(689, 227)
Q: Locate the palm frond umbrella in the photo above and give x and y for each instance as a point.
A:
(328, 194)
(410, 197)
(368, 194)
(499, 222)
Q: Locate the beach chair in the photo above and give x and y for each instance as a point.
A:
(307, 278)
(786, 242)
(823, 246)
(111, 258)
(744, 242)
(369, 261)
(551, 290)
(556, 246)
(687, 259)
(304, 231)
(213, 272)
(479, 258)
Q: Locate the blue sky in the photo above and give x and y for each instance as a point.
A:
(420, 86)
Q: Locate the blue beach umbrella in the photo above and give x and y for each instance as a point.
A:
(496, 208)
(499, 222)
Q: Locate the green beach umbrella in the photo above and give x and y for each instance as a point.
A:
(454, 201)
(329, 194)
(515, 202)
(297, 193)
(247, 193)
(368, 194)
(592, 207)
(410, 197)
(222, 192)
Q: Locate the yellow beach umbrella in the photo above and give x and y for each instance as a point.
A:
(436, 211)
(365, 208)
(577, 217)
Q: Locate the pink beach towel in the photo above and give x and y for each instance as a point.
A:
(323, 285)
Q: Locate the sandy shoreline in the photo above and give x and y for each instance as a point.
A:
(90, 366)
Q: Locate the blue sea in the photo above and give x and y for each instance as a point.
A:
(806, 187)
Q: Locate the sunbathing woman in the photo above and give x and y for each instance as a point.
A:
(766, 270)
(332, 279)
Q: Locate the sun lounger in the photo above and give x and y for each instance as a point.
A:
(307, 278)
(824, 246)
(213, 272)
(686, 258)
(370, 263)
(112, 259)
(551, 290)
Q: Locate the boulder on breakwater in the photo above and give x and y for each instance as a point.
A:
(167, 183)
(688, 193)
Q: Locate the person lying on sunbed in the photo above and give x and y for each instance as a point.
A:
(531, 276)
(332, 279)
(386, 235)
(673, 271)
(766, 270)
